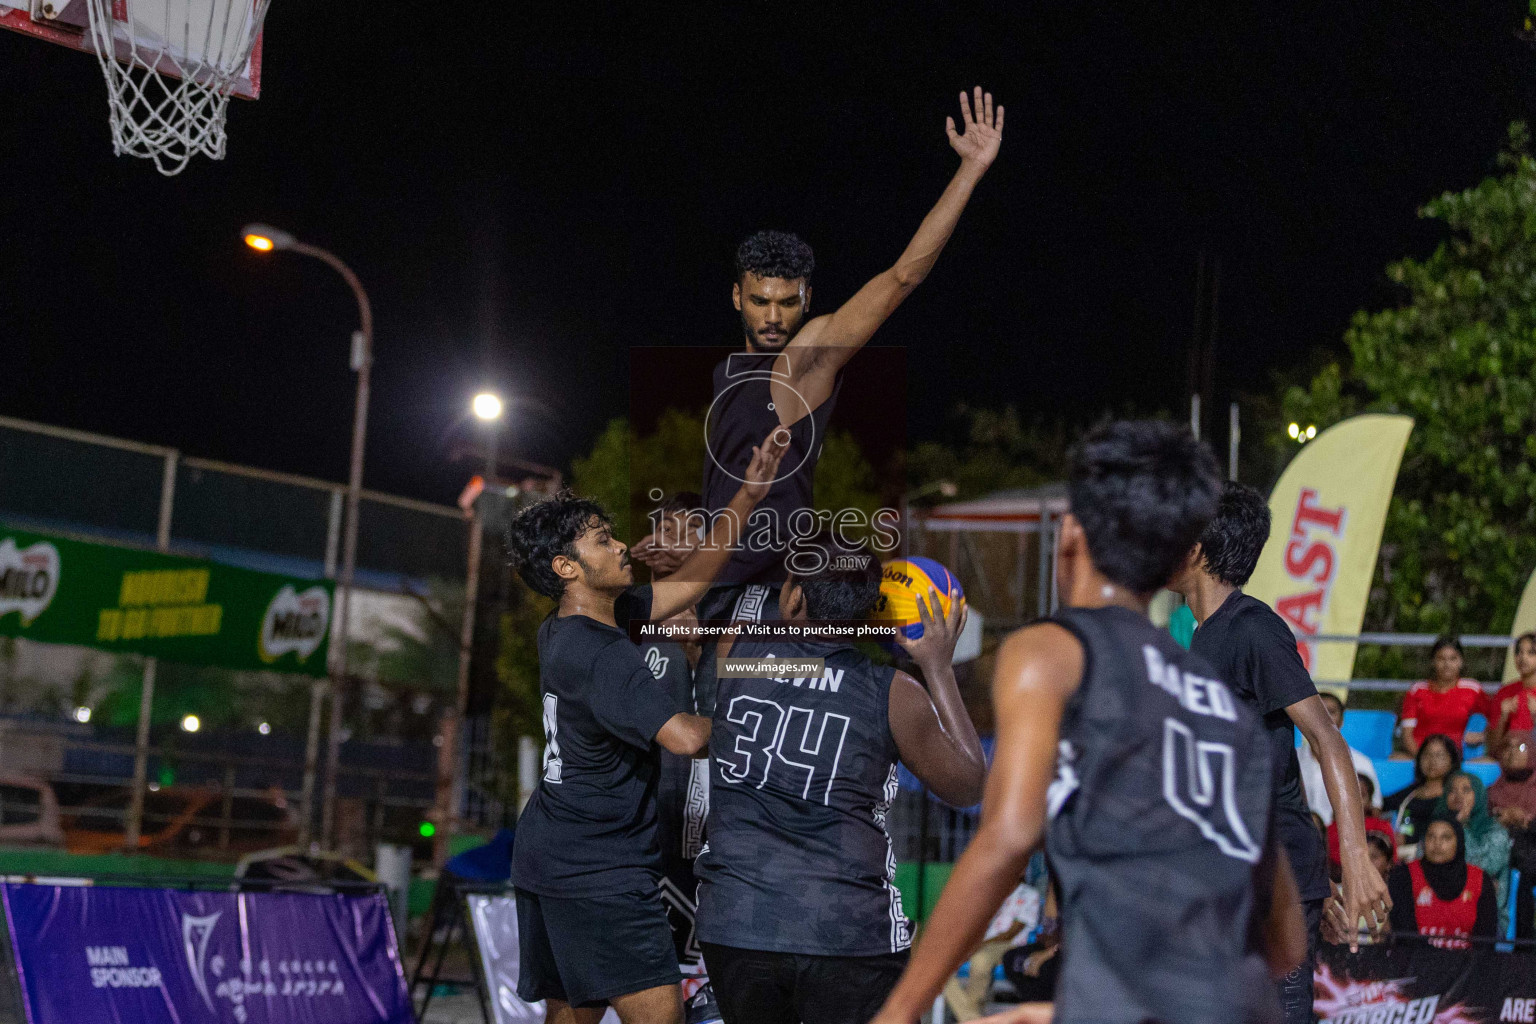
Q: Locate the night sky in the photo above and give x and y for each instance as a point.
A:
(529, 196)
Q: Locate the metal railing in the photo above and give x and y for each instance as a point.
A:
(215, 793)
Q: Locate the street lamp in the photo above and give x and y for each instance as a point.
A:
(1300, 434)
(487, 407)
(264, 238)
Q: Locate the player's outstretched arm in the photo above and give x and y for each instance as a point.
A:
(685, 735)
(1038, 669)
(1365, 894)
(936, 738)
(833, 339)
(683, 588)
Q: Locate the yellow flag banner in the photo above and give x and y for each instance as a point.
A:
(1525, 621)
(1328, 510)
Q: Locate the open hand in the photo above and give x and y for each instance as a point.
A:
(983, 134)
(763, 470)
(663, 560)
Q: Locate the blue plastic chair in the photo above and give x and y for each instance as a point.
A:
(1370, 732)
(1393, 775)
(1477, 723)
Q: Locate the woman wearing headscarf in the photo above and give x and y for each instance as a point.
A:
(1438, 757)
(1488, 844)
(1441, 895)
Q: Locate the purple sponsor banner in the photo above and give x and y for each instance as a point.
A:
(96, 953)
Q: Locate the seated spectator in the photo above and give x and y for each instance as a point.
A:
(1441, 704)
(1312, 770)
(1513, 801)
(1513, 797)
(967, 999)
(1513, 708)
(1032, 969)
(1441, 894)
(1487, 842)
(1383, 852)
(1380, 826)
(1414, 804)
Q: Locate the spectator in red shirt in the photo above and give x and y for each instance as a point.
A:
(1513, 708)
(1442, 895)
(1372, 824)
(1441, 705)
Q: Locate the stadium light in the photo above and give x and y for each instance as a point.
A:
(191, 723)
(265, 238)
(487, 406)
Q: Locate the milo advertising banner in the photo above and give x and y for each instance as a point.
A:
(1414, 983)
(61, 591)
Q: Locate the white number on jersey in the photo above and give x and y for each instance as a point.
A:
(552, 763)
(1200, 783)
(795, 738)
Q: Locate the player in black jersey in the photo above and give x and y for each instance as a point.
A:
(799, 915)
(592, 923)
(1254, 650)
(682, 791)
(790, 371)
(1147, 780)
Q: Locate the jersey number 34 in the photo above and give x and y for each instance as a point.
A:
(774, 739)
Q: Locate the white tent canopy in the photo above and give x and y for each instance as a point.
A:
(996, 571)
(1016, 510)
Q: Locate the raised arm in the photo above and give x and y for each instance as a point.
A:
(1038, 669)
(684, 588)
(936, 738)
(1365, 894)
(830, 341)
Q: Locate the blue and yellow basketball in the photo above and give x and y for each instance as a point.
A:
(902, 581)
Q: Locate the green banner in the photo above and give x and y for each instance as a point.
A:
(60, 591)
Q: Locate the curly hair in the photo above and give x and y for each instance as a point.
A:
(544, 530)
(1143, 491)
(775, 254)
(1232, 542)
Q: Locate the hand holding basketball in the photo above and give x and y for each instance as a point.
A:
(983, 134)
(935, 645)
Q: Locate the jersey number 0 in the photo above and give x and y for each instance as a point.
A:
(1200, 783)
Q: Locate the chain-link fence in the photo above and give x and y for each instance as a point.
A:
(73, 482)
(85, 485)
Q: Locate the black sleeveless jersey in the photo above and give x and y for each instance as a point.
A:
(682, 798)
(1159, 816)
(741, 415)
(802, 775)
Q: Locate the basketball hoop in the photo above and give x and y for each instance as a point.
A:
(170, 67)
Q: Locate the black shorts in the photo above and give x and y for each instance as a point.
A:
(588, 949)
(757, 987)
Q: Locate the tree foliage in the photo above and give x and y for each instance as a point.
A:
(1459, 356)
(996, 450)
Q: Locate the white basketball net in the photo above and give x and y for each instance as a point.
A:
(170, 67)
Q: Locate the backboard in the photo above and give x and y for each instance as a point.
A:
(67, 23)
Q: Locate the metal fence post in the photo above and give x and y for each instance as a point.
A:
(317, 688)
(151, 665)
